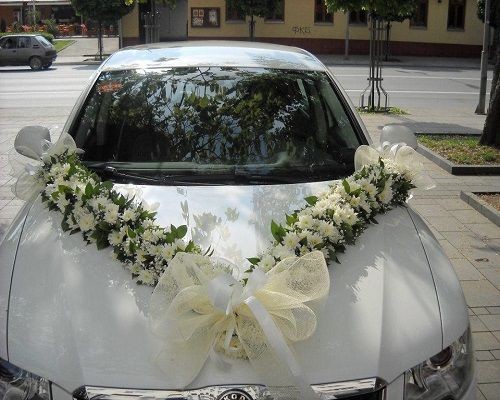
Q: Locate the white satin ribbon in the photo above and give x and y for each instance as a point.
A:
(404, 157)
(27, 183)
(194, 312)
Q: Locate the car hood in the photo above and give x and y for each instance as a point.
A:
(77, 318)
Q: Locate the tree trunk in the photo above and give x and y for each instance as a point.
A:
(491, 131)
(387, 40)
(99, 40)
(252, 28)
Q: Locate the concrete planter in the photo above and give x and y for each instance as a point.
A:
(481, 206)
(458, 169)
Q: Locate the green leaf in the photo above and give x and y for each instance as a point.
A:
(190, 247)
(131, 233)
(346, 186)
(312, 200)
(181, 231)
(291, 219)
(253, 260)
(277, 231)
(107, 185)
(89, 190)
(65, 226)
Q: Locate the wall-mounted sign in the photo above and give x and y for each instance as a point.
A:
(206, 17)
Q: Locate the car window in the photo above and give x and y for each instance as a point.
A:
(24, 42)
(217, 122)
(43, 41)
(9, 43)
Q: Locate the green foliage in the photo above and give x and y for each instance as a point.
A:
(51, 26)
(389, 10)
(494, 11)
(102, 10)
(258, 8)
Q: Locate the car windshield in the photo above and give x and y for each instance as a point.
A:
(217, 125)
(44, 41)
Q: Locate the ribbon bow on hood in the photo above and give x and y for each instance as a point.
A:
(194, 310)
(27, 182)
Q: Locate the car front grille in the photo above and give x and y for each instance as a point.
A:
(363, 389)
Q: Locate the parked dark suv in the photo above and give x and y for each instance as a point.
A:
(23, 49)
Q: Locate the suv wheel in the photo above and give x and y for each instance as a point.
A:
(36, 63)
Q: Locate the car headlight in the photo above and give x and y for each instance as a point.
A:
(447, 375)
(18, 384)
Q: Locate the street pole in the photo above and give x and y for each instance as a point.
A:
(346, 52)
(480, 109)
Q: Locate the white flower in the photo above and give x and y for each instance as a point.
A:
(147, 223)
(115, 238)
(111, 213)
(148, 236)
(180, 244)
(146, 277)
(168, 251)
(314, 239)
(129, 215)
(327, 229)
(386, 195)
(305, 221)
(86, 221)
(281, 252)
(291, 240)
(62, 202)
(267, 262)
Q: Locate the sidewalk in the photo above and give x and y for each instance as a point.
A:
(472, 243)
(83, 51)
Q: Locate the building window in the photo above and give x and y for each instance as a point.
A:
(456, 14)
(278, 14)
(358, 17)
(233, 14)
(419, 19)
(205, 17)
(321, 14)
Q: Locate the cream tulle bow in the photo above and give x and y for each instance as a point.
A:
(194, 312)
(27, 182)
(404, 157)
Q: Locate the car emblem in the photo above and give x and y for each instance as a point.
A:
(234, 394)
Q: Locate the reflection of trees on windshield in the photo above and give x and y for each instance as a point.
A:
(206, 115)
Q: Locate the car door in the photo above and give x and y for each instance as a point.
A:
(24, 50)
(8, 50)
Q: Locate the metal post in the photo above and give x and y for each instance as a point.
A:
(346, 53)
(480, 109)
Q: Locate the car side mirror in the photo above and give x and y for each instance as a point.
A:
(398, 134)
(31, 141)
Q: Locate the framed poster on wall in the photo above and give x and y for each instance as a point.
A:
(205, 17)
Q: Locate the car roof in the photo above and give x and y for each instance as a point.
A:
(213, 53)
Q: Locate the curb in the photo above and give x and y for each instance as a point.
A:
(458, 169)
(482, 207)
(83, 62)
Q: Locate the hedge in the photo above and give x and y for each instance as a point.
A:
(46, 35)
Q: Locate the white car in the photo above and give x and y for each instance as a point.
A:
(225, 137)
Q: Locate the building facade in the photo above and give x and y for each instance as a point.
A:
(439, 27)
(18, 11)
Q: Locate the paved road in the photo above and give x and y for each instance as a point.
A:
(429, 94)
(421, 91)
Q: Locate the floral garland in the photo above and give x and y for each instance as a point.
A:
(328, 222)
(260, 315)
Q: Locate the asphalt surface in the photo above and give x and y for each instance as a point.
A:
(427, 92)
